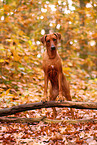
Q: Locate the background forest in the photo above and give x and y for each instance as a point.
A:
(22, 24)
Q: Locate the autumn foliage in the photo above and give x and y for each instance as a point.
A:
(22, 23)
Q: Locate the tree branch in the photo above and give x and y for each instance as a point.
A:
(44, 119)
(21, 120)
(49, 104)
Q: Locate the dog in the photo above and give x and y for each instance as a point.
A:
(52, 67)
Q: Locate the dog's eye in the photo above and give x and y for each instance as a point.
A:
(48, 40)
(54, 39)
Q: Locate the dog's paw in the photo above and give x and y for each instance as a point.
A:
(60, 98)
(44, 100)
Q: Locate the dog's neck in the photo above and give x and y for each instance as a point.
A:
(52, 53)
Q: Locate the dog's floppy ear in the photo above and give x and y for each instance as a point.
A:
(58, 35)
(43, 39)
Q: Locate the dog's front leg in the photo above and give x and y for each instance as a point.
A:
(60, 85)
(45, 86)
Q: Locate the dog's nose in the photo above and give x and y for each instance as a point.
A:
(53, 47)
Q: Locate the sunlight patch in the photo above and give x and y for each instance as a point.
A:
(2, 18)
(42, 31)
(52, 8)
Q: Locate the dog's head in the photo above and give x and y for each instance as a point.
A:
(50, 39)
(51, 42)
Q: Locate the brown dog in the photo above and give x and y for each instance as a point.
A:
(52, 67)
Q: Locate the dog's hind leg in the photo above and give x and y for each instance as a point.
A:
(53, 94)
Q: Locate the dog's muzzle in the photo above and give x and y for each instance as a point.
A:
(53, 47)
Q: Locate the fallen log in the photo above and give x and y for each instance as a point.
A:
(44, 119)
(49, 104)
(21, 120)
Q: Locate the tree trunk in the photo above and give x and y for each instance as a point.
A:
(83, 41)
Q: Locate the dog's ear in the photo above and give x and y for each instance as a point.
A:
(43, 39)
(58, 35)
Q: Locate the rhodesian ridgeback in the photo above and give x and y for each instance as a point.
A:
(52, 67)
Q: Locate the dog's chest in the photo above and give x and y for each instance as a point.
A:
(52, 72)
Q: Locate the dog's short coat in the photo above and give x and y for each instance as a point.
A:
(52, 67)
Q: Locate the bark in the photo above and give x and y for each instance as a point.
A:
(21, 120)
(44, 119)
(49, 104)
(70, 121)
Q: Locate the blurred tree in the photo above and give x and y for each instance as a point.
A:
(83, 41)
(21, 26)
